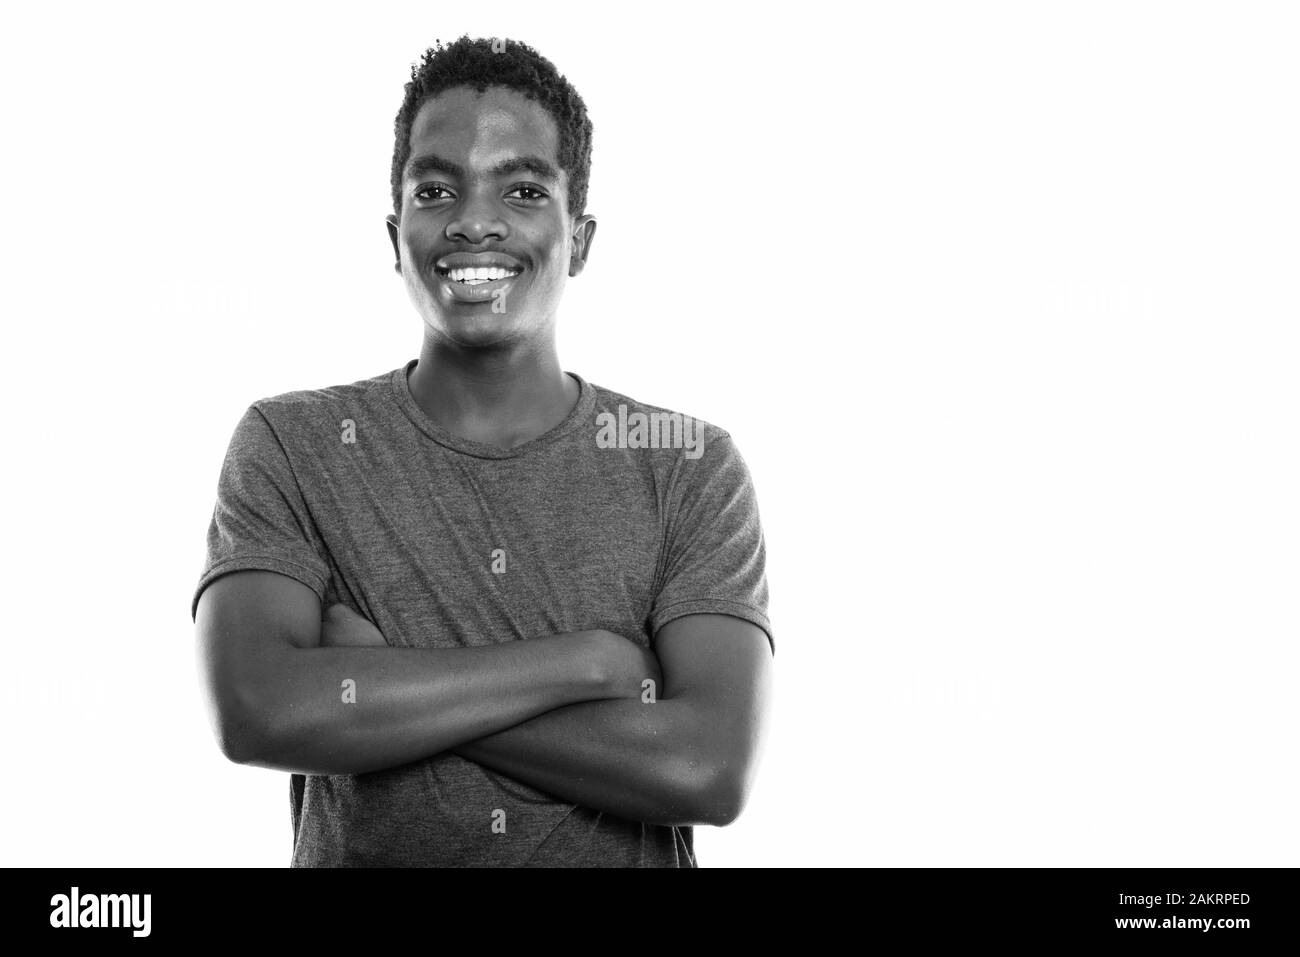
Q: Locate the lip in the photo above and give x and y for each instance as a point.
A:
(477, 261)
(480, 292)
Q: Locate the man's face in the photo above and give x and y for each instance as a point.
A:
(485, 240)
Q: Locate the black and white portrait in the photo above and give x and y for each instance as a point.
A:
(682, 436)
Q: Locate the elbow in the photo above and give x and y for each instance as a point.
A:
(239, 726)
(720, 796)
(233, 745)
(236, 744)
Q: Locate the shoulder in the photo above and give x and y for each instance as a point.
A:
(654, 427)
(329, 403)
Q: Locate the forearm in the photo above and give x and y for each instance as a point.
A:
(660, 763)
(353, 710)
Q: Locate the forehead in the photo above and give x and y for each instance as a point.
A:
(478, 129)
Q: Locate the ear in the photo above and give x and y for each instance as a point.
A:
(584, 231)
(394, 228)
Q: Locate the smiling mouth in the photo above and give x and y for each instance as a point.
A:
(478, 275)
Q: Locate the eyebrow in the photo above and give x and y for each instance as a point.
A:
(432, 163)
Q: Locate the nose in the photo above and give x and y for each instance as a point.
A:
(475, 219)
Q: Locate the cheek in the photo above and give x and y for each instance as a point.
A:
(555, 273)
(419, 235)
(557, 260)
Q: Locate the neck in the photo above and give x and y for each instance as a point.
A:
(503, 396)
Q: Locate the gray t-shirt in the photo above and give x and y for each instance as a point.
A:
(609, 521)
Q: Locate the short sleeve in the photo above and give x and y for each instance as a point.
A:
(261, 520)
(714, 555)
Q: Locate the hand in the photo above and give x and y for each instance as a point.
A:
(341, 627)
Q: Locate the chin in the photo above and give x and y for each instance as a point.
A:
(472, 334)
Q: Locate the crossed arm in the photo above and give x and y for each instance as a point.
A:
(687, 758)
(564, 713)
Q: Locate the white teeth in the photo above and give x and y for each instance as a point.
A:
(479, 274)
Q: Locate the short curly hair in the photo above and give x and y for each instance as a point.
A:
(480, 63)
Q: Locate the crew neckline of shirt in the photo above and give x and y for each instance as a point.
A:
(580, 413)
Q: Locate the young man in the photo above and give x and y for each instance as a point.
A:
(544, 638)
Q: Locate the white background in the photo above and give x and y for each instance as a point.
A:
(999, 301)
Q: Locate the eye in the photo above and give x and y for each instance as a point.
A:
(420, 193)
(537, 194)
